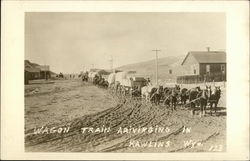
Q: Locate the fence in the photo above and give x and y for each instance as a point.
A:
(190, 79)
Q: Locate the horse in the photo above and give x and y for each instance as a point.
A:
(184, 95)
(214, 96)
(96, 79)
(124, 90)
(105, 84)
(173, 98)
(60, 75)
(203, 97)
(135, 92)
(193, 93)
(102, 83)
(154, 96)
(145, 92)
(166, 95)
(198, 97)
(170, 97)
(85, 77)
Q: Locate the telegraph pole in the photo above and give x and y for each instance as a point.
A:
(111, 64)
(156, 55)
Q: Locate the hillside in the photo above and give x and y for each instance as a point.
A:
(148, 68)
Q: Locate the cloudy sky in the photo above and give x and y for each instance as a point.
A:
(70, 41)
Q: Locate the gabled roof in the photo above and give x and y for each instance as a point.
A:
(28, 66)
(207, 56)
(28, 63)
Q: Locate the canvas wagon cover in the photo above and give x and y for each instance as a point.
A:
(111, 78)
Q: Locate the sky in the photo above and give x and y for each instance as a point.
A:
(68, 42)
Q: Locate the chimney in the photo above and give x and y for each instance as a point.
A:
(208, 49)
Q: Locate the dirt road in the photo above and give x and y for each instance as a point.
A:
(63, 101)
(80, 117)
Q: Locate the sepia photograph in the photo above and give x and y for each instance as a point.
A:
(125, 82)
(128, 80)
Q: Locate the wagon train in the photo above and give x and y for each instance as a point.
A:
(127, 85)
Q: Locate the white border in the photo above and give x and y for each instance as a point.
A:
(12, 64)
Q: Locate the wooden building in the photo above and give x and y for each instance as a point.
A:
(200, 66)
(31, 74)
(34, 71)
(44, 71)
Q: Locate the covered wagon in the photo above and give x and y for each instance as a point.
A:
(130, 83)
(111, 79)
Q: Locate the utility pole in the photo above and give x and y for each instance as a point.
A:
(208, 49)
(111, 64)
(156, 55)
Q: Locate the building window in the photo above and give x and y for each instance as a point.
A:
(207, 68)
(222, 68)
(194, 71)
(170, 71)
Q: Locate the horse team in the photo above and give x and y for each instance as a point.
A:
(95, 78)
(194, 99)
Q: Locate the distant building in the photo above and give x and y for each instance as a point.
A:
(201, 63)
(34, 71)
(31, 74)
(44, 71)
(204, 66)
